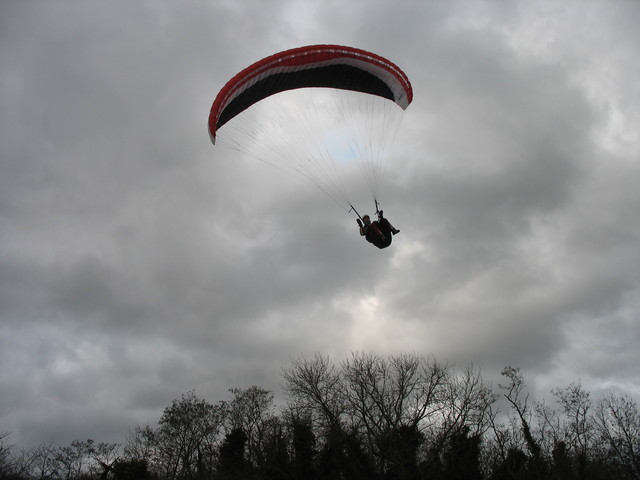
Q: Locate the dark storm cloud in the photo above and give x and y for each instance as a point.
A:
(137, 261)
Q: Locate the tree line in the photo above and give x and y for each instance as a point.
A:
(401, 417)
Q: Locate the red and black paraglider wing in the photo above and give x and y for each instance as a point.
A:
(332, 66)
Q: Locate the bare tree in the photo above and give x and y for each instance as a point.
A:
(38, 463)
(548, 426)
(314, 387)
(618, 423)
(468, 401)
(386, 394)
(102, 457)
(72, 459)
(187, 432)
(252, 410)
(514, 394)
(142, 444)
(5, 454)
(578, 427)
(390, 400)
(392, 403)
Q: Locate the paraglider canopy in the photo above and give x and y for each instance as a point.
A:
(332, 66)
(326, 113)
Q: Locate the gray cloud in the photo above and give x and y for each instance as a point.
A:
(138, 261)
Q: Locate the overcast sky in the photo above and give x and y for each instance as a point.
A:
(138, 261)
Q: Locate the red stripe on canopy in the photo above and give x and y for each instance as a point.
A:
(307, 58)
